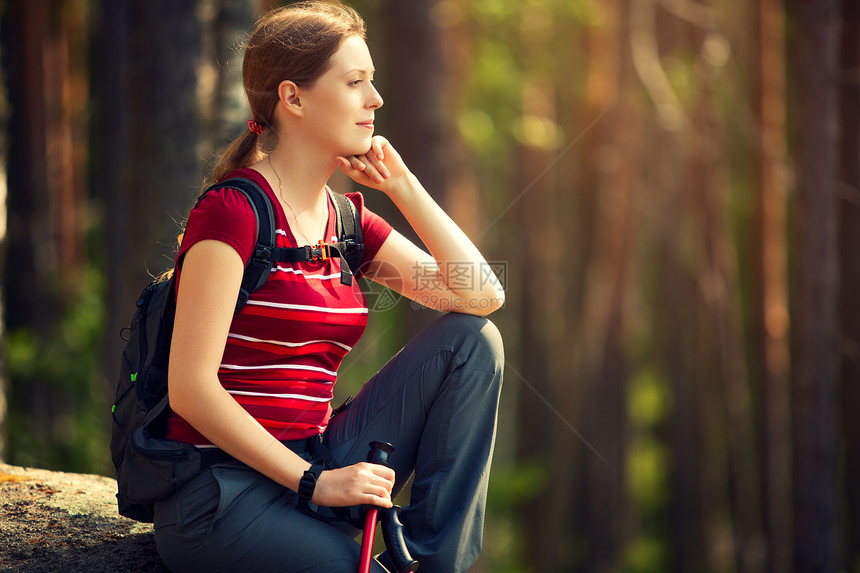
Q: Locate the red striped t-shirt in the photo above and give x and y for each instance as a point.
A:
(284, 347)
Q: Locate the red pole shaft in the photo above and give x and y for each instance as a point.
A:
(367, 541)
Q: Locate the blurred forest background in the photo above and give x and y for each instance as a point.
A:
(671, 189)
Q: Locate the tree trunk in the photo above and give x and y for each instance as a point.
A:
(815, 324)
(687, 433)
(540, 323)
(770, 358)
(149, 127)
(42, 243)
(46, 205)
(4, 375)
(602, 336)
(110, 170)
(550, 387)
(414, 87)
(164, 130)
(719, 285)
(224, 106)
(849, 226)
(694, 432)
(685, 429)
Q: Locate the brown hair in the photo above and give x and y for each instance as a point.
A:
(292, 43)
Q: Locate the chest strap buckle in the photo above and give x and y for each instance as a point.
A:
(319, 252)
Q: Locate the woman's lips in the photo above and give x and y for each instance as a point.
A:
(366, 124)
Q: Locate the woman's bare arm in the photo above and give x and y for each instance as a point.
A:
(454, 276)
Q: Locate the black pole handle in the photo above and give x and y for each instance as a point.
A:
(379, 452)
(392, 534)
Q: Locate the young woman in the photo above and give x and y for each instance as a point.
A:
(256, 387)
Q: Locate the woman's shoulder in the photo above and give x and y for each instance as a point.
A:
(226, 215)
(228, 200)
(357, 197)
(365, 215)
(248, 173)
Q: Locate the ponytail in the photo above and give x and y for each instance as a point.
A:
(243, 152)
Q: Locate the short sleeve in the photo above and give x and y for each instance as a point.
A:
(374, 228)
(222, 215)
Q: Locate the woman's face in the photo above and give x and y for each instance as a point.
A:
(339, 107)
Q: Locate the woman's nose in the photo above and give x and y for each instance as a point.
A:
(376, 100)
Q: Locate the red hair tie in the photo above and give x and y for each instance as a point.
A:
(256, 126)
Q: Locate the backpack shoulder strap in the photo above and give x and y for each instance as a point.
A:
(259, 266)
(349, 233)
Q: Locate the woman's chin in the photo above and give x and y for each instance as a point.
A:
(357, 149)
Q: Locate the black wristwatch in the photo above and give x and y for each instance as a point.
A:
(308, 483)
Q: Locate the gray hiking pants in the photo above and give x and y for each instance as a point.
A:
(436, 401)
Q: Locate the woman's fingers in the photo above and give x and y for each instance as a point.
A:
(354, 485)
(368, 167)
(376, 155)
(385, 480)
(376, 147)
(383, 474)
(355, 163)
(362, 169)
(372, 159)
(372, 169)
(380, 480)
(377, 483)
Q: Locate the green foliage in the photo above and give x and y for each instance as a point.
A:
(514, 486)
(503, 548)
(511, 488)
(646, 474)
(58, 401)
(648, 401)
(648, 404)
(645, 554)
(492, 86)
(680, 72)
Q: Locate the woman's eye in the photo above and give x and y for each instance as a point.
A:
(356, 82)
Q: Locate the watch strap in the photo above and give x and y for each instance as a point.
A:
(308, 483)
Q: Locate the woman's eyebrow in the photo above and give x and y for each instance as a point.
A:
(361, 71)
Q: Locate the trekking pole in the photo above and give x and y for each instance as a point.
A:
(392, 533)
(379, 452)
(392, 528)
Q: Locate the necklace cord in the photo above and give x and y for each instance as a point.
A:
(285, 202)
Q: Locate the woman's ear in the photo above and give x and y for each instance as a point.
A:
(288, 94)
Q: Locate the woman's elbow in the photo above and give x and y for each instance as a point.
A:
(180, 392)
(493, 301)
(175, 395)
(485, 305)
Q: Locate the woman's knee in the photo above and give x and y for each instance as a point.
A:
(479, 335)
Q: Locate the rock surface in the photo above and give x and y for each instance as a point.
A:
(56, 521)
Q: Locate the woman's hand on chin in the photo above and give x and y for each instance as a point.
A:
(380, 168)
